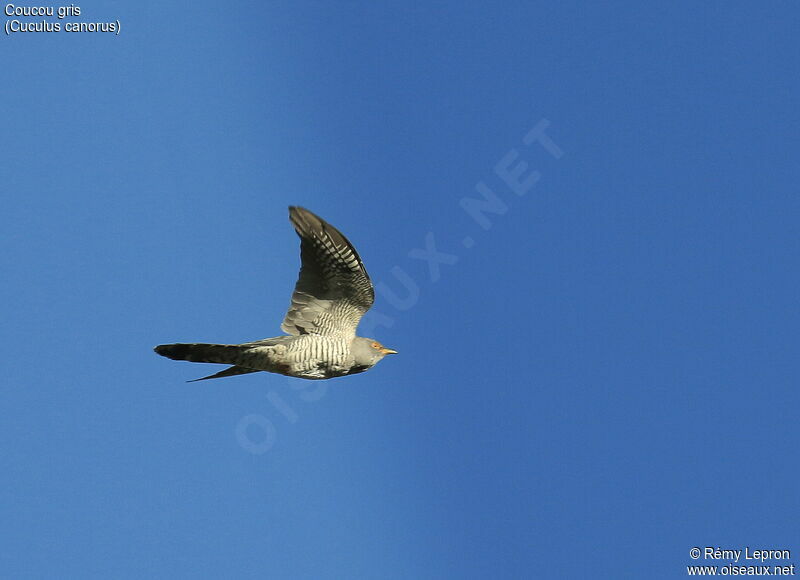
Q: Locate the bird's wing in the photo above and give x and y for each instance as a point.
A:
(334, 290)
(229, 372)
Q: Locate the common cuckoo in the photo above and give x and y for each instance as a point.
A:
(331, 295)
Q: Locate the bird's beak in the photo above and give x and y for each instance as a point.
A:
(385, 350)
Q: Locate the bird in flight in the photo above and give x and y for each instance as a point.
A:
(332, 293)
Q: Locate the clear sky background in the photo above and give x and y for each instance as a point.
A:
(606, 378)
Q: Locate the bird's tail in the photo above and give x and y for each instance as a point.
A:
(198, 352)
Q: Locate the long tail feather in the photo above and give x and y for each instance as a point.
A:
(200, 352)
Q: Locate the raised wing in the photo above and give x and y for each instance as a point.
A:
(334, 290)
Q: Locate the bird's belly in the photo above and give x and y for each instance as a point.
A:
(315, 357)
(321, 370)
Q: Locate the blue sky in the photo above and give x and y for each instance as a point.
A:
(606, 378)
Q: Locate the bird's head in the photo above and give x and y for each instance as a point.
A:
(367, 351)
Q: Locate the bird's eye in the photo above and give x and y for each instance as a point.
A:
(375, 345)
